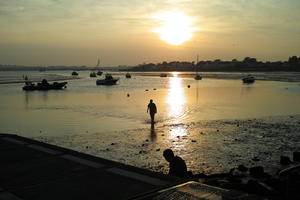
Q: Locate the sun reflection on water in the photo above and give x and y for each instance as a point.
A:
(178, 132)
(175, 99)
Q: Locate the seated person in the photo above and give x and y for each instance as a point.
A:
(177, 165)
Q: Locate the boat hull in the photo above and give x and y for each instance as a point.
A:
(107, 82)
(197, 77)
(248, 80)
(54, 86)
(99, 73)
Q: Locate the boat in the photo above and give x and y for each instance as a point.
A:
(197, 77)
(99, 73)
(44, 85)
(109, 80)
(163, 75)
(74, 73)
(128, 75)
(248, 79)
(93, 74)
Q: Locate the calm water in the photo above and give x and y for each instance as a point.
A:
(84, 106)
(91, 114)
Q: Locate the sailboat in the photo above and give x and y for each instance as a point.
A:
(197, 77)
(99, 73)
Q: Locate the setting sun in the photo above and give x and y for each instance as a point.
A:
(176, 27)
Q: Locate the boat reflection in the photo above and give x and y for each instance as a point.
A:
(175, 99)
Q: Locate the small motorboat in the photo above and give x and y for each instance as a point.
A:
(99, 73)
(44, 85)
(248, 79)
(93, 74)
(109, 80)
(163, 75)
(198, 77)
(74, 73)
(128, 75)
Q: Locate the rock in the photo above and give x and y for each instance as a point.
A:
(112, 144)
(257, 172)
(147, 140)
(285, 160)
(154, 88)
(194, 141)
(146, 90)
(157, 149)
(188, 86)
(296, 156)
(242, 168)
(128, 95)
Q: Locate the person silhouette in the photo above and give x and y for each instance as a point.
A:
(177, 166)
(153, 110)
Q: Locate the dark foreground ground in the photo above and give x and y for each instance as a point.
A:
(34, 170)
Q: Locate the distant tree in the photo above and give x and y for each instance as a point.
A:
(249, 60)
(293, 59)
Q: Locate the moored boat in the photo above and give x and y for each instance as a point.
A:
(93, 74)
(44, 85)
(128, 75)
(163, 75)
(74, 73)
(248, 79)
(99, 73)
(109, 80)
(198, 77)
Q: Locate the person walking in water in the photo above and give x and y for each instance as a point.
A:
(152, 108)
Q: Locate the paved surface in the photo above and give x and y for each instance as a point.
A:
(34, 170)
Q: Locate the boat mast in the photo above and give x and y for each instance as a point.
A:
(98, 62)
(197, 64)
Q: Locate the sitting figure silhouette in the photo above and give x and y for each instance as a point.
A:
(176, 164)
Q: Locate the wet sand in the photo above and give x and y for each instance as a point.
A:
(208, 147)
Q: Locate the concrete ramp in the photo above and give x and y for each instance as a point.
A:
(34, 170)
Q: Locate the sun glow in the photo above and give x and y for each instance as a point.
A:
(176, 27)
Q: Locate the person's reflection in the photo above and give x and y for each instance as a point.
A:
(152, 133)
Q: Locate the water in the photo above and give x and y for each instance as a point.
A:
(89, 118)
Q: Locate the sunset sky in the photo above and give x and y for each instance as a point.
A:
(131, 32)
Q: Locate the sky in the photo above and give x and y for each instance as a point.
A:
(132, 32)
